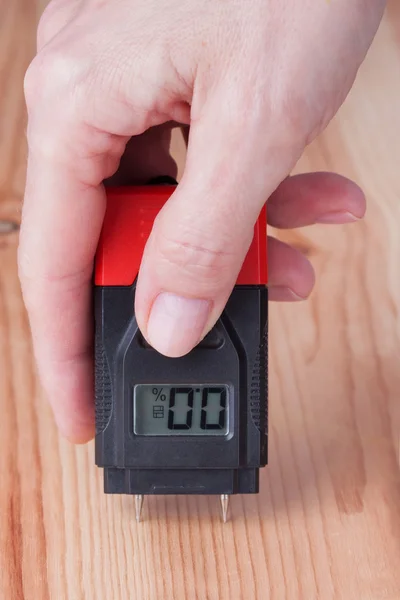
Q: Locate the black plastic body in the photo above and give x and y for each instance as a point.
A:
(234, 353)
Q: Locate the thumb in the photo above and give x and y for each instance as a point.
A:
(201, 236)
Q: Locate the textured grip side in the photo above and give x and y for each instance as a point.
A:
(102, 384)
(259, 386)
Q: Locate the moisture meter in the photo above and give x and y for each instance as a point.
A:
(190, 425)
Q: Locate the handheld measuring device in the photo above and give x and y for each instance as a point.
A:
(190, 425)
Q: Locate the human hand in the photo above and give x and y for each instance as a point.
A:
(256, 81)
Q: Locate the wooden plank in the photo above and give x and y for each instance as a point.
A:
(327, 522)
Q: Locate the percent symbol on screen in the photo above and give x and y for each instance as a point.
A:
(159, 395)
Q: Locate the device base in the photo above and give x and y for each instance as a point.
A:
(181, 481)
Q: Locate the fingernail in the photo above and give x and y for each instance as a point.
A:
(280, 293)
(176, 324)
(337, 218)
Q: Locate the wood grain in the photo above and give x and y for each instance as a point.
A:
(326, 524)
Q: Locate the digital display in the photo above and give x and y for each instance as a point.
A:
(181, 410)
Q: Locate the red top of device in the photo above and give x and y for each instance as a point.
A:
(127, 225)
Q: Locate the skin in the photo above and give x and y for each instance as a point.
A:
(255, 81)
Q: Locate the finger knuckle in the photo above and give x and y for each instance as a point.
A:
(52, 77)
(204, 260)
(40, 281)
(31, 82)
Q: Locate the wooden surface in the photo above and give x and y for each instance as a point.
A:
(327, 522)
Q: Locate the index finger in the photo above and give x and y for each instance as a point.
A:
(61, 222)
